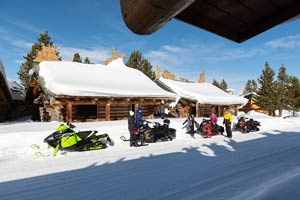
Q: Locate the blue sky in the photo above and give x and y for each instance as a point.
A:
(93, 27)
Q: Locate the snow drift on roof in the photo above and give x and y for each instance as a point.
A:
(204, 93)
(2, 71)
(16, 90)
(114, 79)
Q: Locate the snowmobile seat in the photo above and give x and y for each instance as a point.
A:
(85, 134)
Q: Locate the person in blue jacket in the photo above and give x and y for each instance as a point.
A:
(139, 117)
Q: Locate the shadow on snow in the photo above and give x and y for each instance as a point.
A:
(264, 168)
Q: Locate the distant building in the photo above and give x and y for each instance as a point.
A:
(252, 103)
(200, 99)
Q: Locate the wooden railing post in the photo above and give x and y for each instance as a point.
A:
(69, 112)
(136, 107)
(235, 110)
(107, 112)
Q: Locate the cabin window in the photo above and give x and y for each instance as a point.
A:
(87, 111)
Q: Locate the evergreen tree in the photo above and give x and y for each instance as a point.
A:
(137, 61)
(281, 89)
(293, 96)
(77, 58)
(266, 97)
(87, 61)
(216, 83)
(45, 39)
(223, 85)
(251, 86)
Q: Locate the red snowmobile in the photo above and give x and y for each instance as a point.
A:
(208, 129)
(246, 125)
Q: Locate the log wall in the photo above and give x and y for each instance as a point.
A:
(107, 109)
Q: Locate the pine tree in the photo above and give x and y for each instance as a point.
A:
(216, 83)
(223, 85)
(281, 89)
(293, 96)
(251, 86)
(87, 61)
(137, 61)
(45, 39)
(77, 58)
(266, 97)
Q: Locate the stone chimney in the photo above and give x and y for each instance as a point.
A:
(158, 72)
(47, 53)
(115, 56)
(202, 78)
(168, 75)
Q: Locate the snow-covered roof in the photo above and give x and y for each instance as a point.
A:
(2, 71)
(250, 94)
(204, 93)
(112, 80)
(16, 90)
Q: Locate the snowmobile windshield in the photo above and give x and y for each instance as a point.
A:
(62, 128)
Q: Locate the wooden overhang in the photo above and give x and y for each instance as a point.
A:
(237, 20)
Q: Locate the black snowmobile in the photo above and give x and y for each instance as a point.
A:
(154, 131)
(208, 129)
(151, 132)
(246, 125)
(66, 138)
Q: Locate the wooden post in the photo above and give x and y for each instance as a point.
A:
(135, 107)
(212, 109)
(107, 112)
(69, 111)
(197, 110)
(235, 110)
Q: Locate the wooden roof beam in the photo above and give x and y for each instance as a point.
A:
(145, 17)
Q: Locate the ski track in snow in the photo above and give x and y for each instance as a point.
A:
(260, 165)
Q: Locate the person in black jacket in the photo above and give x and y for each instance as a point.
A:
(162, 109)
(131, 127)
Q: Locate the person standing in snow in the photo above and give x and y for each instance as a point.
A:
(227, 122)
(214, 120)
(191, 122)
(162, 109)
(131, 128)
(139, 117)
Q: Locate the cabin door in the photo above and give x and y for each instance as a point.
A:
(193, 110)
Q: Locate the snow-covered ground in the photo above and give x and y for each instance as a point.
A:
(260, 165)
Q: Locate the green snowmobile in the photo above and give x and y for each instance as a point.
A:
(66, 138)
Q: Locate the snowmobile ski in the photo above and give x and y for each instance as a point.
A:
(123, 138)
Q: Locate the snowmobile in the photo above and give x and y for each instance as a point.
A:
(66, 138)
(151, 132)
(154, 131)
(139, 138)
(208, 129)
(246, 125)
